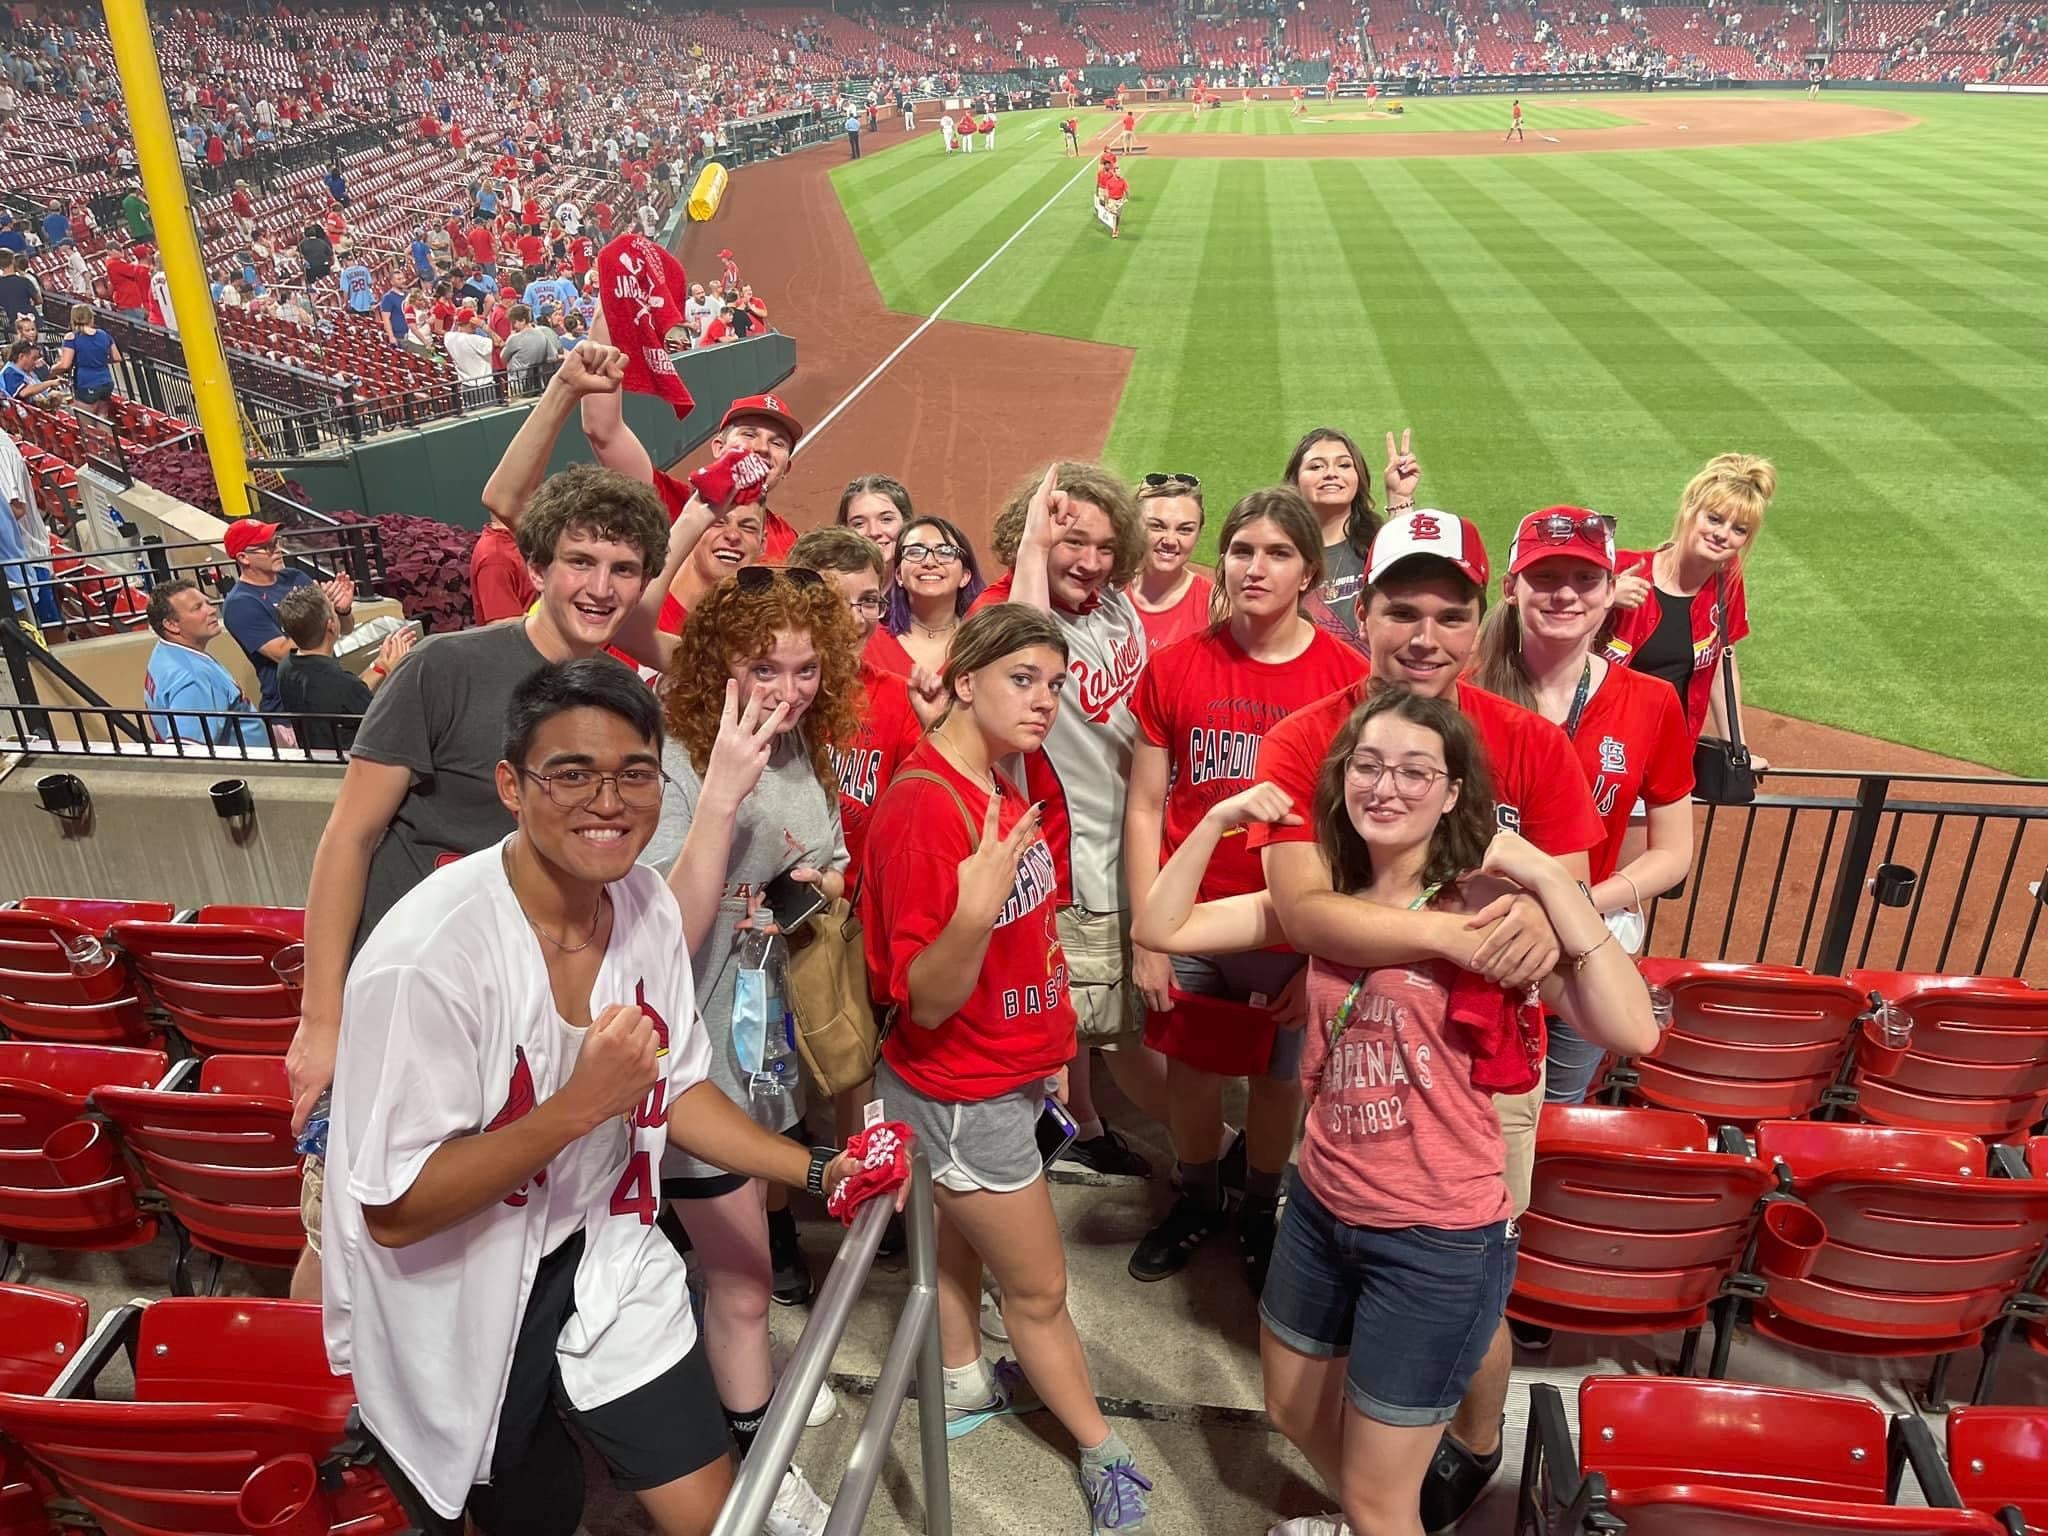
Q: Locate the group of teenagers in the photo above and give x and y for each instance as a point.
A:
(1341, 819)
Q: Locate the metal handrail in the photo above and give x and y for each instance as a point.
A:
(914, 1350)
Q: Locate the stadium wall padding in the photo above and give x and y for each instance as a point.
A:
(440, 471)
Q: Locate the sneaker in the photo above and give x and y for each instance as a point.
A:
(823, 1406)
(992, 1324)
(797, 1510)
(1312, 1525)
(1012, 1394)
(1455, 1480)
(1257, 1222)
(1116, 1497)
(1166, 1249)
(792, 1283)
(1530, 1336)
(1108, 1156)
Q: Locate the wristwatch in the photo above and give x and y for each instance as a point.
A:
(821, 1159)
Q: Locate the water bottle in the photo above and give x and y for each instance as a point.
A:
(313, 1139)
(763, 1031)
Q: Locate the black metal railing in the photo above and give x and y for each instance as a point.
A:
(1888, 871)
(205, 735)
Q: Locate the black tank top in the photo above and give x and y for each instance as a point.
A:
(1666, 651)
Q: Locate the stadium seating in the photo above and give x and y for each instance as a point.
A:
(87, 1197)
(1927, 1238)
(1978, 1062)
(1746, 1042)
(43, 996)
(1702, 1458)
(1636, 1222)
(216, 982)
(222, 1156)
(1999, 1459)
(222, 1387)
(41, 1333)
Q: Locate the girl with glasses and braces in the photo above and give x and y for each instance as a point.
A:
(760, 689)
(1397, 1250)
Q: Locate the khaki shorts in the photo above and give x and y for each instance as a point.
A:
(311, 1183)
(1098, 950)
(1517, 1114)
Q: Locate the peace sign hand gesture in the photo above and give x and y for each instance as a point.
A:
(988, 874)
(746, 738)
(1403, 472)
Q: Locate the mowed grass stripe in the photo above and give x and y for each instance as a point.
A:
(951, 233)
(1428, 115)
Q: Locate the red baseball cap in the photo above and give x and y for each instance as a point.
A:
(1562, 531)
(1427, 532)
(770, 406)
(248, 531)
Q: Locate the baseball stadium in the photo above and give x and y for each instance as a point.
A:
(689, 558)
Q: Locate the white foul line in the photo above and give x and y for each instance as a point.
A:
(903, 346)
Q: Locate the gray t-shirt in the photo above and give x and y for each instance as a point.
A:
(1343, 581)
(526, 354)
(789, 819)
(442, 716)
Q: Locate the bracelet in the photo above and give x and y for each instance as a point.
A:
(1633, 890)
(1579, 961)
(1402, 506)
(377, 668)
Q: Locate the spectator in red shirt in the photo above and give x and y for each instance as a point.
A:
(483, 249)
(128, 281)
(532, 250)
(245, 208)
(1171, 596)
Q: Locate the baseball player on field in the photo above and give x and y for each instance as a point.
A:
(946, 130)
(1110, 192)
(1126, 131)
(1070, 130)
(1300, 102)
(1515, 123)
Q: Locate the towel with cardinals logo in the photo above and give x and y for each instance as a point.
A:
(639, 285)
(884, 1153)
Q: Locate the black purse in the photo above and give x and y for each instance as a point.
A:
(1721, 770)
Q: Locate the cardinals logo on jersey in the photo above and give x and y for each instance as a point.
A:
(519, 1101)
(647, 1011)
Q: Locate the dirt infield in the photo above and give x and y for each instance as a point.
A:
(1690, 122)
(959, 418)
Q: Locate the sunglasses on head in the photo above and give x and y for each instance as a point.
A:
(1173, 477)
(759, 578)
(1561, 529)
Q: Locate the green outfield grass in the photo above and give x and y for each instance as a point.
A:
(1486, 114)
(1872, 313)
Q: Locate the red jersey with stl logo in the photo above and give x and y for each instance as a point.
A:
(889, 732)
(1210, 706)
(1633, 744)
(1017, 1025)
(1719, 615)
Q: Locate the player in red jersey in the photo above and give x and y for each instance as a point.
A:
(1538, 649)
(1424, 596)
(1300, 102)
(1110, 192)
(1126, 131)
(1204, 708)
(1515, 123)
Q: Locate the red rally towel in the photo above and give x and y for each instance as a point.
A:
(1507, 1034)
(884, 1153)
(640, 286)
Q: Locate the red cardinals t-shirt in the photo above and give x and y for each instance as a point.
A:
(1178, 620)
(482, 248)
(1115, 187)
(1211, 706)
(1018, 1023)
(885, 653)
(1537, 785)
(1632, 744)
(888, 732)
(1720, 618)
(531, 249)
(776, 535)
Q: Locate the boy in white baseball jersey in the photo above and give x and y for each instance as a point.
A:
(946, 130)
(521, 1046)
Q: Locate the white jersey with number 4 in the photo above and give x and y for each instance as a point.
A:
(449, 1028)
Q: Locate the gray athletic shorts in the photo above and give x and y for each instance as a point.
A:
(991, 1145)
(1238, 978)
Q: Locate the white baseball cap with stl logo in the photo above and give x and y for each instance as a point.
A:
(1428, 532)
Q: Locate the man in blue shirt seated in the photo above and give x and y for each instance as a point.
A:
(182, 677)
(261, 583)
(24, 377)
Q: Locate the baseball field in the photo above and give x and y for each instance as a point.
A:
(1853, 287)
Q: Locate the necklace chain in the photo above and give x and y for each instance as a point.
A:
(935, 634)
(596, 916)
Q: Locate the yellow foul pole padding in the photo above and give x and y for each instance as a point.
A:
(163, 184)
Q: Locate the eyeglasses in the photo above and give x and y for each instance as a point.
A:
(638, 789)
(1410, 782)
(759, 578)
(917, 554)
(1173, 477)
(868, 607)
(1559, 528)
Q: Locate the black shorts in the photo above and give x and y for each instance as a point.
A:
(653, 1435)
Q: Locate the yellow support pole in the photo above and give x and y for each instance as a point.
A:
(163, 183)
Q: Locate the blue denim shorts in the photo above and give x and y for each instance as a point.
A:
(1413, 1307)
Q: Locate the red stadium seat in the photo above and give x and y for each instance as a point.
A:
(216, 982)
(1636, 1222)
(221, 1387)
(1999, 1460)
(1978, 1063)
(41, 1333)
(223, 1158)
(99, 914)
(1746, 1042)
(43, 1089)
(288, 920)
(1709, 1458)
(1926, 1244)
(43, 998)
